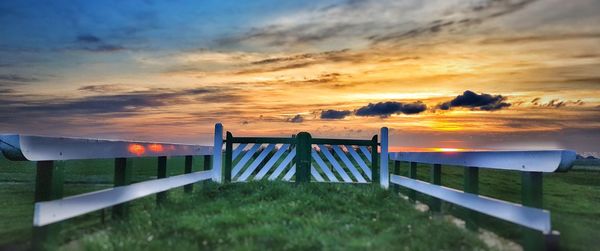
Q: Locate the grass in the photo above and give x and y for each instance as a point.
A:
(276, 215)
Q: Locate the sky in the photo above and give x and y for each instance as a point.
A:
(484, 74)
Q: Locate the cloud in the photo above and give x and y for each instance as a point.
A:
(93, 43)
(296, 119)
(385, 109)
(102, 88)
(17, 78)
(334, 114)
(483, 101)
(87, 38)
(556, 103)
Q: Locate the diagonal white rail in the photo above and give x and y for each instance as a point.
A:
(244, 160)
(335, 164)
(533, 218)
(365, 151)
(237, 151)
(323, 166)
(316, 174)
(360, 161)
(282, 165)
(290, 173)
(348, 164)
(256, 162)
(48, 212)
(263, 171)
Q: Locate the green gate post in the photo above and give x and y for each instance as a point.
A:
(374, 162)
(471, 185)
(396, 187)
(48, 186)
(436, 179)
(228, 158)
(531, 195)
(412, 173)
(207, 165)
(303, 158)
(122, 177)
(161, 173)
(189, 160)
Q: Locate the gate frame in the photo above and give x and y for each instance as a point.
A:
(303, 142)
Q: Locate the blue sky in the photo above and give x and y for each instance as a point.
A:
(498, 74)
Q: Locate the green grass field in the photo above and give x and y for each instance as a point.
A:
(282, 215)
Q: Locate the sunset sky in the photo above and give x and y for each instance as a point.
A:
(495, 74)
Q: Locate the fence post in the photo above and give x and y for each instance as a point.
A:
(122, 177)
(383, 164)
(471, 185)
(228, 158)
(161, 172)
(374, 159)
(188, 169)
(436, 179)
(303, 158)
(531, 195)
(412, 173)
(48, 186)
(396, 172)
(217, 153)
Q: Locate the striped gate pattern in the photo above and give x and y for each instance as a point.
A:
(263, 161)
(331, 160)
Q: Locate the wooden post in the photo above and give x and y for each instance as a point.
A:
(436, 179)
(228, 158)
(396, 187)
(374, 162)
(531, 195)
(122, 177)
(412, 173)
(471, 185)
(48, 186)
(189, 160)
(161, 173)
(303, 157)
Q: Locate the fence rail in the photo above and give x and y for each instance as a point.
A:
(530, 164)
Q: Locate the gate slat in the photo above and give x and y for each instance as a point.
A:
(360, 161)
(282, 165)
(348, 164)
(366, 152)
(244, 160)
(271, 162)
(335, 164)
(323, 166)
(237, 151)
(316, 174)
(256, 162)
(290, 173)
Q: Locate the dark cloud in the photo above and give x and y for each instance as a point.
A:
(478, 13)
(296, 119)
(87, 38)
(103, 48)
(385, 109)
(102, 88)
(469, 99)
(543, 38)
(556, 103)
(17, 78)
(334, 114)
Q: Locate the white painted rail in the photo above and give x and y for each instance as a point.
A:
(533, 218)
(39, 148)
(48, 212)
(530, 161)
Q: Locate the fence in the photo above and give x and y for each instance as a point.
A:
(300, 158)
(50, 206)
(531, 165)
